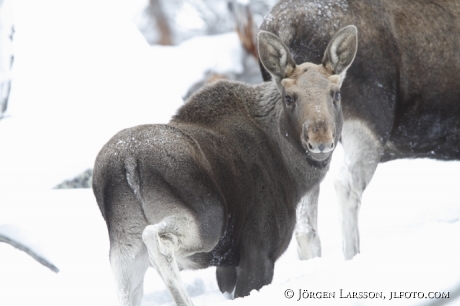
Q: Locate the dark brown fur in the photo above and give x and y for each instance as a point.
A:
(405, 80)
(401, 97)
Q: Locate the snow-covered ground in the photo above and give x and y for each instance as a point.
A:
(83, 72)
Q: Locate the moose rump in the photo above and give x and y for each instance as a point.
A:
(201, 200)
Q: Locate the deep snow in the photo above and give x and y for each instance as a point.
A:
(83, 72)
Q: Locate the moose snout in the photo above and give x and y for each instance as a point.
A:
(319, 147)
(318, 139)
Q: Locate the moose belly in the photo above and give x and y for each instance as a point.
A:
(225, 253)
(430, 136)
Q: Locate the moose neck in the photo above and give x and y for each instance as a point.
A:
(267, 110)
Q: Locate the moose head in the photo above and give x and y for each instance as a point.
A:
(312, 114)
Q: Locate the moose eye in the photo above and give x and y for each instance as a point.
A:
(289, 100)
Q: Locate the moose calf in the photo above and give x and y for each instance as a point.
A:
(219, 185)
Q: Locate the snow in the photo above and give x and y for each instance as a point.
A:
(79, 79)
(189, 17)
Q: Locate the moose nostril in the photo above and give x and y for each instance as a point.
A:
(321, 147)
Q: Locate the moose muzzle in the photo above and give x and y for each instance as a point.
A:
(318, 139)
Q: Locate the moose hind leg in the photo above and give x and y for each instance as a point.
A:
(163, 240)
(173, 240)
(129, 264)
(362, 155)
(306, 232)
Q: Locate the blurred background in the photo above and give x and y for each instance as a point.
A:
(161, 22)
(45, 28)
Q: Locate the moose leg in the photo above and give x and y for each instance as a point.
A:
(129, 264)
(164, 240)
(226, 278)
(362, 155)
(306, 233)
(174, 239)
(254, 272)
(128, 255)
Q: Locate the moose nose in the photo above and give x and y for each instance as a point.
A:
(318, 138)
(320, 147)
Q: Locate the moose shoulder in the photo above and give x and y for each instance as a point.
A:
(219, 185)
(401, 98)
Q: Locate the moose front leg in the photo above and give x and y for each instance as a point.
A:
(362, 155)
(254, 272)
(226, 278)
(306, 232)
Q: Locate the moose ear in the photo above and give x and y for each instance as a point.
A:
(275, 56)
(341, 51)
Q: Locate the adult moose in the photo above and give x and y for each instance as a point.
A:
(220, 183)
(401, 98)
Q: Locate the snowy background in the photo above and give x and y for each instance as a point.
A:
(83, 72)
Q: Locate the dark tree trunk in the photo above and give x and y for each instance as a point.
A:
(157, 13)
(245, 27)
